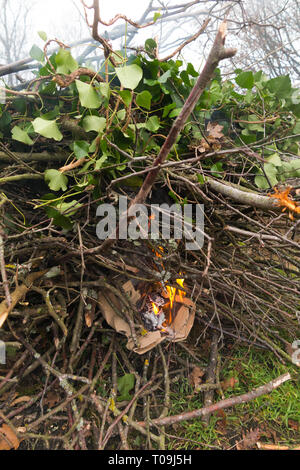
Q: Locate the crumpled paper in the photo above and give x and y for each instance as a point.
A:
(178, 331)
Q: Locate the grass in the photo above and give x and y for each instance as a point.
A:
(276, 415)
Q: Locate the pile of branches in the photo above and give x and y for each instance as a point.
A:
(244, 281)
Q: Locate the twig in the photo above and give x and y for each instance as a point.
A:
(211, 374)
(228, 402)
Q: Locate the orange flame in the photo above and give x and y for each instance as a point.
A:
(155, 308)
(172, 291)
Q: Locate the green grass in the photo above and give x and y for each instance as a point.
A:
(270, 413)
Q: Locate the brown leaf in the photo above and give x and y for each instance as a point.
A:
(249, 439)
(295, 425)
(229, 383)
(196, 376)
(214, 130)
(8, 439)
(51, 399)
(222, 423)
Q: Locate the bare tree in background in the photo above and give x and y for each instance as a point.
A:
(14, 27)
(268, 34)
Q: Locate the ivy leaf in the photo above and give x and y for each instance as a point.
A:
(58, 219)
(295, 164)
(129, 75)
(104, 89)
(245, 80)
(144, 99)
(65, 62)
(280, 86)
(125, 384)
(36, 53)
(81, 148)
(42, 35)
(56, 180)
(21, 136)
(150, 47)
(156, 16)
(216, 168)
(126, 96)
(66, 206)
(271, 171)
(274, 159)
(88, 96)
(94, 123)
(47, 128)
(153, 124)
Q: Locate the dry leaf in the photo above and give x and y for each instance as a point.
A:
(249, 439)
(295, 425)
(196, 377)
(88, 319)
(222, 423)
(51, 399)
(8, 439)
(229, 383)
(214, 130)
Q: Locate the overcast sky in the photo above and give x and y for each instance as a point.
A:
(56, 15)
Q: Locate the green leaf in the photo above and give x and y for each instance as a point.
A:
(216, 168)
(104, 89)
(156, 16)
(56, 180)
(21, 136)
(36, 53)
(47, 128)
(280, 86)
(125, 384)
(200, 178)
(150, 47)
(126, 96)
(88, 96)
(81, 148)
(168, 108)
(274, 159)
(164, 77)
(271, 171)
(296, 128)
(144, 99)
(100, 161)
(94, 123)
(153, 124)
(129, 75)
(191, 71)
(245, 80)
(121, 114)
(295, 164)
(63, 206)
(175, 112)
(65, 62)
(42, 35)
(58, 219)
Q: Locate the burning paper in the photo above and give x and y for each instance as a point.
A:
(166, 315)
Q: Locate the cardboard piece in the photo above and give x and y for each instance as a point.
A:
(178, 331)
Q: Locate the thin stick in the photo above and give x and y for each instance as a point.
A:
(228, 402)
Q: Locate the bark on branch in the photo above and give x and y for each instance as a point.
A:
(228, 402)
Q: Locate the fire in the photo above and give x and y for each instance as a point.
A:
(171, 291)
(155, 308)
